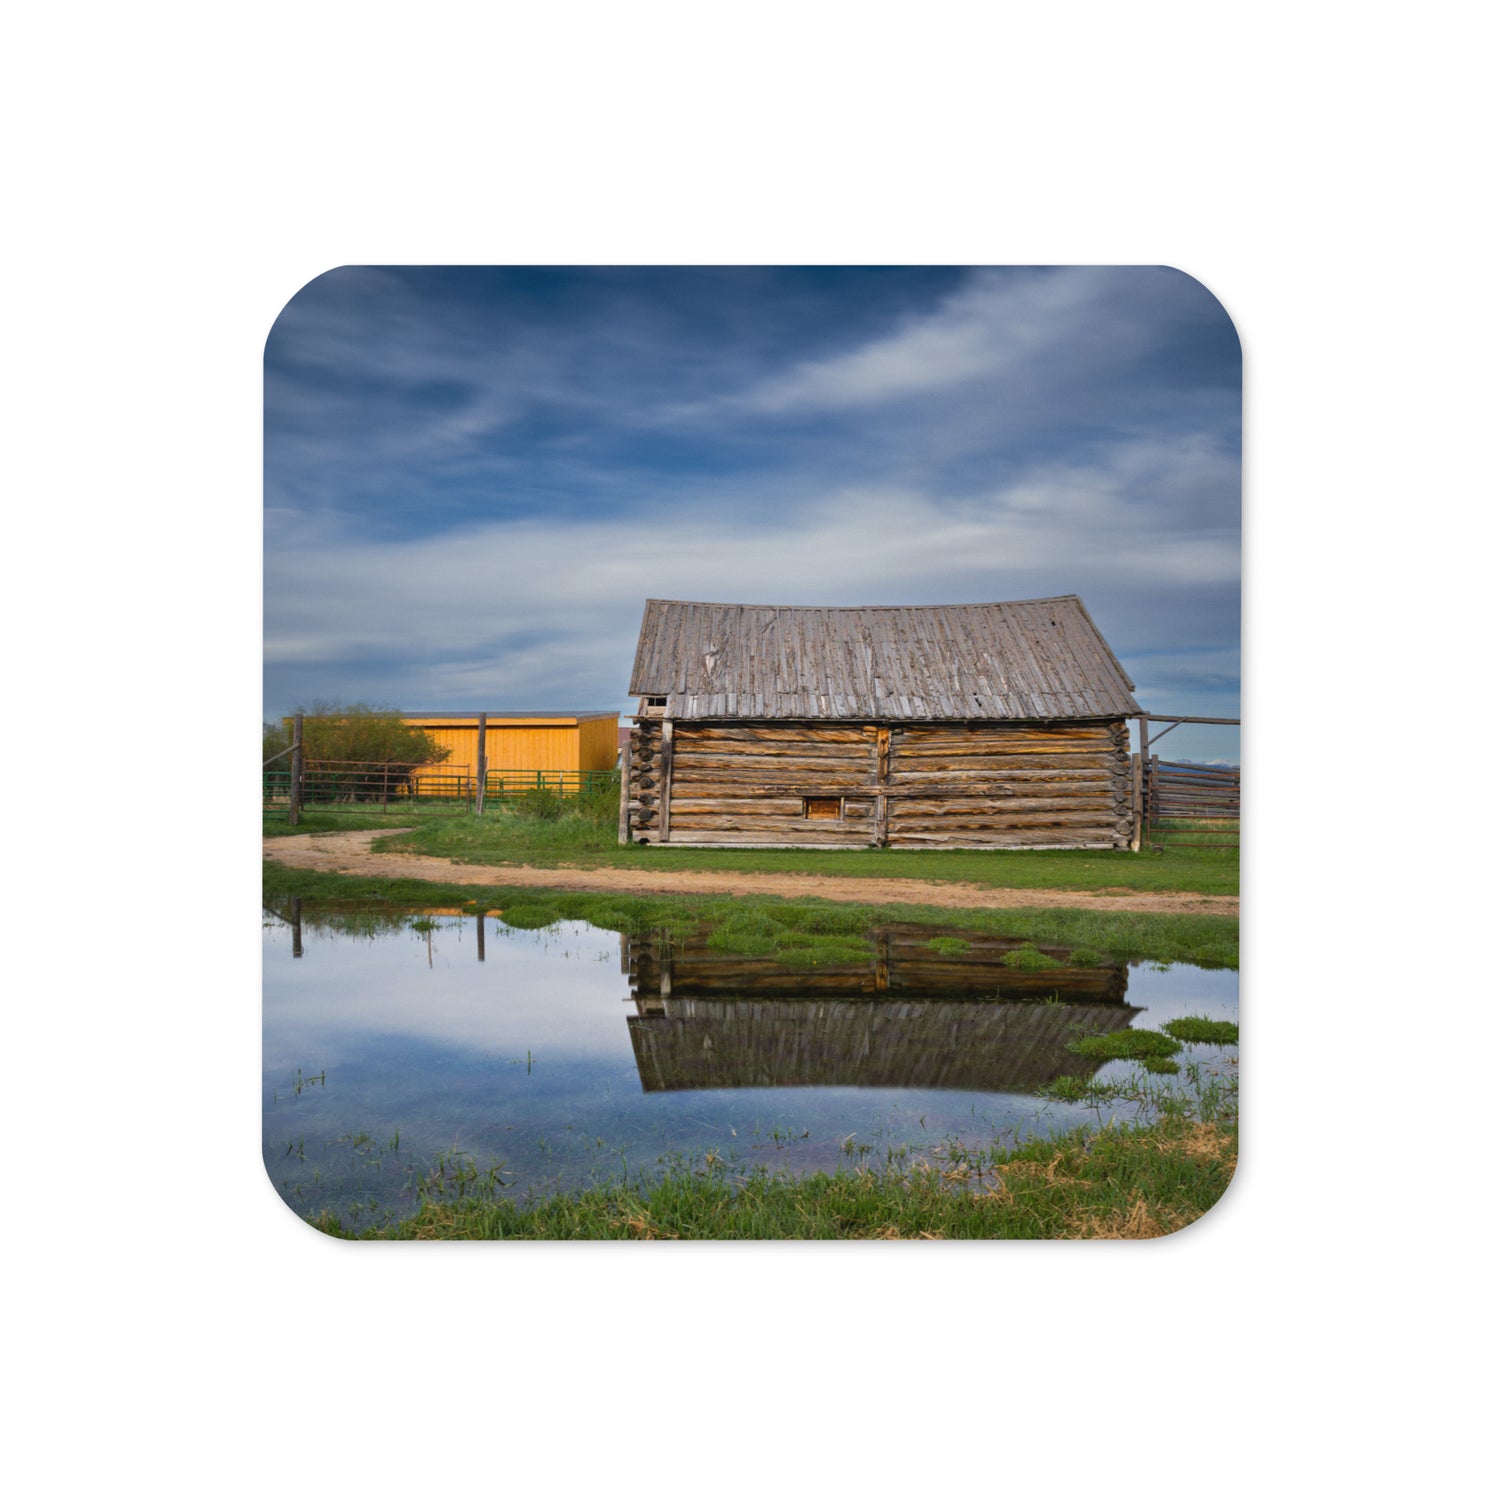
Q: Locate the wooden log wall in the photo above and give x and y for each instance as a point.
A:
(643, 794)
(849, 785)
(749, 784)
(1013, 787)
(903, 964)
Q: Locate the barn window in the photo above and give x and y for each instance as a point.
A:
(821, 807)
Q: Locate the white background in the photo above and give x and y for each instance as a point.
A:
(175, 173)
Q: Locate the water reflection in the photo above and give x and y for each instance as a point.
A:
(908, 1017)
(571, 1056)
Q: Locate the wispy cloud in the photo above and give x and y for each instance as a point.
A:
(475, 479)
(992, 327)
(453, 598)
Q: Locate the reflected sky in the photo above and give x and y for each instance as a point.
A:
(382, 1052)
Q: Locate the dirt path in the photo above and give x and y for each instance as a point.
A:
(350, 854)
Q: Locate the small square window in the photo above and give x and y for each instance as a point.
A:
(821, 807)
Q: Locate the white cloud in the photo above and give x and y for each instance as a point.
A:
(994, 328)
(1033, 433)
(527, 613)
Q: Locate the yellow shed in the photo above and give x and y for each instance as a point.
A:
(556, 745)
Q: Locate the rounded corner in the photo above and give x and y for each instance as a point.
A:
(317, 1226)
(281, 312)
(1208, 1213)
(1217, 301)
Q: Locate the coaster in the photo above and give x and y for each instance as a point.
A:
(751, 752)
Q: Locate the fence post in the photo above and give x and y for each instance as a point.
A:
(1143, 735)
(484, 770)
(294, 793)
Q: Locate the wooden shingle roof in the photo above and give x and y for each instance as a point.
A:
(1029, 659)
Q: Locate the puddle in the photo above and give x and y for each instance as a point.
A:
(403, 1049)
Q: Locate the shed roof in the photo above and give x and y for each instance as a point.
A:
(1028, 659)
(499, 718)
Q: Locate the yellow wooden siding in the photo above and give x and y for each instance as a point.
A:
(458, 742)
(598, 744)
(524, 745)
(532, 749)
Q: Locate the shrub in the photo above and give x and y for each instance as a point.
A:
(541, 803)
(370, 734)
(600, 804)
(358, 752)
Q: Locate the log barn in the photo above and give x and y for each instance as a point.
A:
(942, 726)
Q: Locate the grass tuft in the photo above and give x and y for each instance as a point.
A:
(1202, 1029)
(949, 947)
(1030, 958)
(1128, 1043)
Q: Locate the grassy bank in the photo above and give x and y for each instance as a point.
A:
(799, 932)
(274, 824)
(1116, 1183)
(584, 833)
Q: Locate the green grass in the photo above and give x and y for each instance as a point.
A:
(1120, 1182)
(803, 935)
(948, 947)
(345, 819)
(1030, 958)
(796, 931)
(584, 832)
(1202, 1029)
(1128, 1043)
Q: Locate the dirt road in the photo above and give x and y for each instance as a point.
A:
(350, 854)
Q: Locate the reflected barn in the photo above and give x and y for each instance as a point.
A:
(432, 1039)
(908, 1017)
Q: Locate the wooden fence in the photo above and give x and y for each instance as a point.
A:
(1200, 805)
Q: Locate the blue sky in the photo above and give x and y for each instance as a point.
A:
(476, 476)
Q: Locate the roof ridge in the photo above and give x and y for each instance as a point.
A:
(852, 608)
